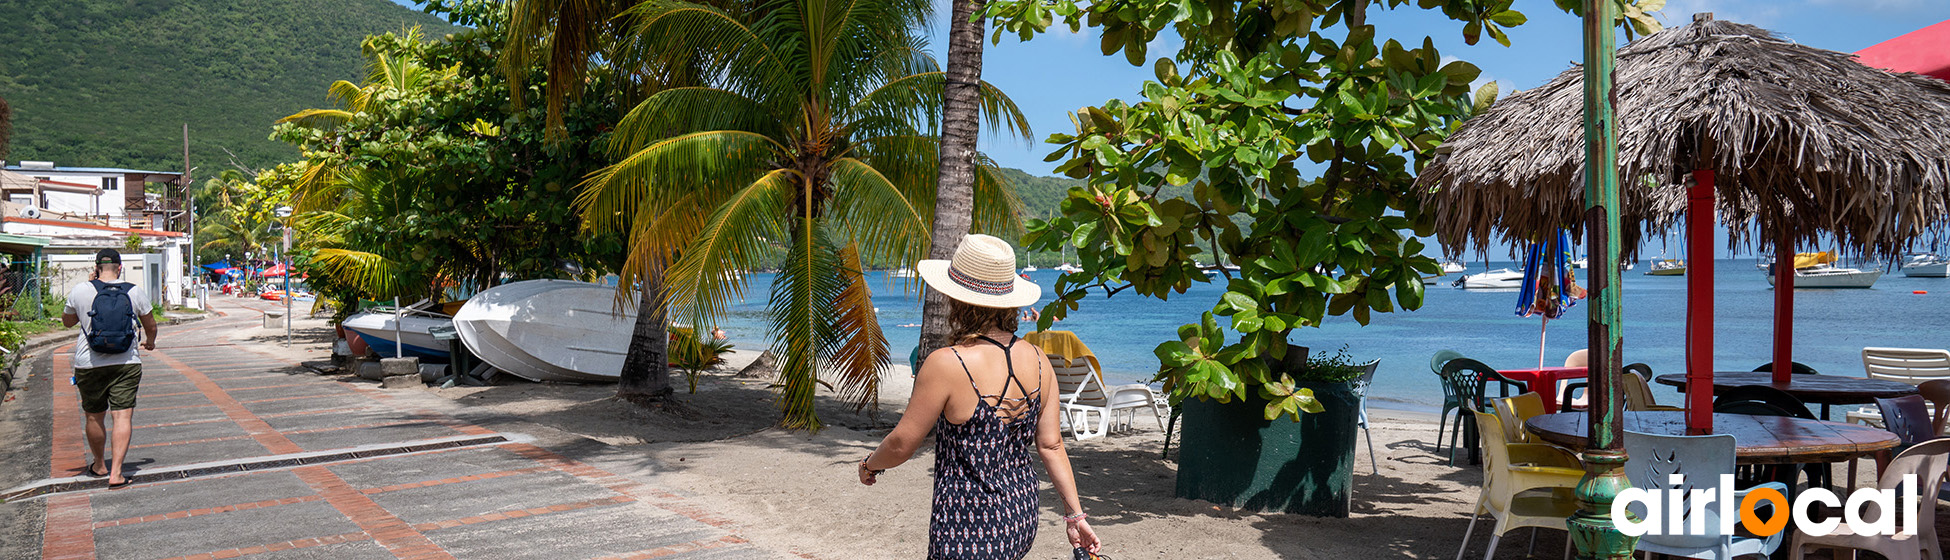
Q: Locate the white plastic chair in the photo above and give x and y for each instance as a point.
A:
(1650, 460)
(1927, 462)
(1085, 399)
(1907, 365)
(1361, 385)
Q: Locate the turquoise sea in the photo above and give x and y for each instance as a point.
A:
(1831, 326)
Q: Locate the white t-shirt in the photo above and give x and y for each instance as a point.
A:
(80, 300)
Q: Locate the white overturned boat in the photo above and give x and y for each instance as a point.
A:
(1927, 266)
(548, 330)
(1825, 276)
(1499, 279)
(378, 330)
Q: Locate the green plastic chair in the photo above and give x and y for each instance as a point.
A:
(1449, 400)
(1468, 379)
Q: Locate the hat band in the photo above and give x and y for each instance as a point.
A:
(981, 286)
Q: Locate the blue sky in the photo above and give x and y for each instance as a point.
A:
(1059, 72)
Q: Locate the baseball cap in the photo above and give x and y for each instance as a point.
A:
(108, 256)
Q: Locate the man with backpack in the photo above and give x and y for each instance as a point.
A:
(106, 367)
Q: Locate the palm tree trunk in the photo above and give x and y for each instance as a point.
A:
(955, 187)
(645, 379)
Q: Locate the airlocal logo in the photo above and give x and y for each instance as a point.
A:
(1682, 512)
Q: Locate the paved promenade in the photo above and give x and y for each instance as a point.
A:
(240, 451)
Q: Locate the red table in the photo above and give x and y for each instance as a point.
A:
(1543, 381)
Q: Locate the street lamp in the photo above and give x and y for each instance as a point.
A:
(284, 213)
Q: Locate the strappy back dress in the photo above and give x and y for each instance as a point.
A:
(984, 485)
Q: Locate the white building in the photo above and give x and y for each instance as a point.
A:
(112, 195)
(81, 210)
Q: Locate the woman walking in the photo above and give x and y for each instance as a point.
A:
(988, 396)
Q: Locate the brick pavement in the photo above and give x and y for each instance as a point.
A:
(209, 402)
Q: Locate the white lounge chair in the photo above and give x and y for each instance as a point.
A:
(1907, 365)
(1092, 410)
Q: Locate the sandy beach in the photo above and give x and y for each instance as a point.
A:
(797, 491)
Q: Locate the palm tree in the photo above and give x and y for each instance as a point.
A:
(954, 187)
(817, 135)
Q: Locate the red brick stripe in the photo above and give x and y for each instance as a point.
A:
(70, 528)
(386, 528)
(274, 547)
(520, 513)
(262, 432)
(468, 478)
(205, 511)
(692, 546)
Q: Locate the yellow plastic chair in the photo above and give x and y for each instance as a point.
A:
(1524, 485)
(1514, 411)
(1638, 395)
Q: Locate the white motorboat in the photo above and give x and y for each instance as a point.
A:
(549, 330)
(1453, 267)
(1499, 279)
(1028, 269)
(1667, 267)
(1579, 263)
(1828, 276)
(1068, 268)
(903, 273)
(1926, 265)
(409, 335)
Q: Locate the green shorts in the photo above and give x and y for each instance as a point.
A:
(108, 387)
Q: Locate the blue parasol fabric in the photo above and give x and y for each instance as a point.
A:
(218, 266)
(1549, 286)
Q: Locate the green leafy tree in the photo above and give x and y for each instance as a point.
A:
(424, 177)
(6, 128)
(1300, 143)
(814, 134)
(242, 217)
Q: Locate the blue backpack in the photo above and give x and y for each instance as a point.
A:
(112, 320)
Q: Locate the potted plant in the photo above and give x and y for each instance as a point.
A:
(1287, 445)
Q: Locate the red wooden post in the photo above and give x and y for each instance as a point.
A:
(1699, 303)
(1783, 308)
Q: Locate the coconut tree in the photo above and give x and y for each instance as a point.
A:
(816, 136)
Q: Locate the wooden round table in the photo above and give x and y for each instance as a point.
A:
(1818, 389)
(1759, 440)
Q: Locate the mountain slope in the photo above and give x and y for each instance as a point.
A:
(110, 83)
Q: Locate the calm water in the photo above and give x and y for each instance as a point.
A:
(1832, 326)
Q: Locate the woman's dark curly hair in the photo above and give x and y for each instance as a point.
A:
(968, 321)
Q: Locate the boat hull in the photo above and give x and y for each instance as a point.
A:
(1861, 279)
(1930, 270)
(549, 330)
(1667, 272)
(1504, 279)
(377, 332)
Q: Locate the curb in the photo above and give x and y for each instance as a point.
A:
(74, 484)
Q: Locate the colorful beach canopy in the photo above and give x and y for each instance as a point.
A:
(1924, 51)
(218, 266)
(1718, 122)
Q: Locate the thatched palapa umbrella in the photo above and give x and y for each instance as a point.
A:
(1789, 144)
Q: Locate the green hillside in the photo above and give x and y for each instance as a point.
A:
(110, 83)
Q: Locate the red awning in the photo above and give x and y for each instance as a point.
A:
(1924, 51)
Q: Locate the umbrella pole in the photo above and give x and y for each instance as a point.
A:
(1592, 528)
(1783, 307)
(1543, 332)
(1699, 301)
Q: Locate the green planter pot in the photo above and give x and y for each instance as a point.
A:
(1231, 454)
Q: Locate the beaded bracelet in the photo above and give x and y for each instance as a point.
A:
(1079, 516)
(875, 472)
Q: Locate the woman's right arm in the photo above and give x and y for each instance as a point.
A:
(932, 388)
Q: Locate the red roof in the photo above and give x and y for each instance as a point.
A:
(67, 184)
(1923, 51)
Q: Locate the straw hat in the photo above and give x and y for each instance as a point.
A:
(982, 273)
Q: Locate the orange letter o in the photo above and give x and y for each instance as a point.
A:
(1752, 521)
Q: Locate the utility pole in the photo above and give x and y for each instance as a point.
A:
(1592, 528)
(189, 253)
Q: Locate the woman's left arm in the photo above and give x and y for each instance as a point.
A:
(1049, 444)
(931, 390)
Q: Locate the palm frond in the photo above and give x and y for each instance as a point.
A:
(318, 118)
(685, 110)
(370, 273)
(713, 164)
(860, 352)
(878, 213)
(804, 319)
(997, 210)
(711, 273)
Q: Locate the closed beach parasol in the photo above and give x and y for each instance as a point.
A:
(1549, 286)
(1783, 143)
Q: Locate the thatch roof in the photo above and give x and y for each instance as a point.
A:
(1799, 138)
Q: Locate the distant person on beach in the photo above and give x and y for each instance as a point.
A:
(987, 407)
(106, 368)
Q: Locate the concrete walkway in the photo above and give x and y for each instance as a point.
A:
(240, 451)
